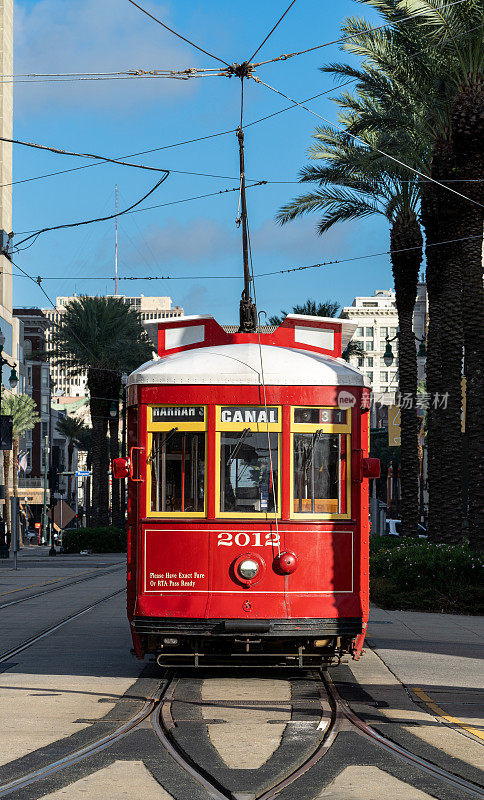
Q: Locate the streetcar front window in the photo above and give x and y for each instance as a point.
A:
(177, 462)
(319, 473)
(248, 473)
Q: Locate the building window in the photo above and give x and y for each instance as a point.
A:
(359, 332)
(393, 331)
(368, 345)
(45, 378)
(369, 361)
(384, 377)
(383, 333)
(44, 404)
(370, 375)
(369, 332)
(44, 429)
(361, 362)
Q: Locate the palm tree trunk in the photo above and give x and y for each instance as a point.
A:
(99, 407)
(405, 233)
(6, 478)
(467, 115)
(444, 355)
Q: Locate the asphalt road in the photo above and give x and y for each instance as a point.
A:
(80, 683)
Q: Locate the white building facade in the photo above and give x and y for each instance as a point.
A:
(149, 308)
(377, 319)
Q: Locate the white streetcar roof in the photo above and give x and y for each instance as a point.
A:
(241, 364)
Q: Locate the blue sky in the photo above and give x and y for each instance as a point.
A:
(115, 118)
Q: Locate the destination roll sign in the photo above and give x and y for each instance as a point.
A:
(249, 414)
(178, 413)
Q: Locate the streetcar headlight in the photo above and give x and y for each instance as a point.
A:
(248, 568)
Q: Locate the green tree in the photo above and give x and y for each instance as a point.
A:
(310, 308)
(23, 411)
(105, 337)
(328, 309)
(353, 185)
(431, 72)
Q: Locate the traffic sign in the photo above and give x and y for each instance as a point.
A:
(83, 473)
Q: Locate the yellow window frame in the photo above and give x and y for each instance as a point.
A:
(312, 427)
(256, 427)
(183, 427)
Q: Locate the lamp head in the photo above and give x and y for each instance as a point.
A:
(388, 354)
(13, 380)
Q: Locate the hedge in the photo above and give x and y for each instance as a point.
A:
(97, 540)
(415, 574)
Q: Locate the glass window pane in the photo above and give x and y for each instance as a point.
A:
(383, 332)
(359, 332)
(246, 483)
(177, 472)
(384, 377)
(319, 473)
(316, 416)
(369, 331)
(369, 362)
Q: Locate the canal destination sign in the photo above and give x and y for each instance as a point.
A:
(249, 414)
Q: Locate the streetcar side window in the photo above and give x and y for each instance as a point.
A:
(177, 462)
(319, 473)
(248, 484)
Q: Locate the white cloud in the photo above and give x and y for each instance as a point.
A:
(59, 36)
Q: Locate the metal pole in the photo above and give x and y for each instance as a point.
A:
(116, 242)
(14, 525)
(44, 508)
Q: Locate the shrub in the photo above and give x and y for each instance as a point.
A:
(421, 575)
(98, 540)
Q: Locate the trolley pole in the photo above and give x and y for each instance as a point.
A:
(248, 311)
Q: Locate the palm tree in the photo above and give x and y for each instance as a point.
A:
(413, 77)
(327, 309)
(311, 308)
(456, 30)
(105, 337)
(72, 429)
(353, 185)
(23, 411)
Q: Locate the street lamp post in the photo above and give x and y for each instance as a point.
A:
(124, 381)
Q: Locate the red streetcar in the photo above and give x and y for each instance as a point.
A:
(248, 517)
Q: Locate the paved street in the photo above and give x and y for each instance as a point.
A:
(80, 683)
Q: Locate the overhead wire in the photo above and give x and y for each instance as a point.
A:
(342, 39)
(35, 235)
(164, 25)
(260, 274)
(177, 202)
(367, 144)
(272, 31)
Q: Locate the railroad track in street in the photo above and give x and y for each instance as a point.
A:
(13, 651)
(159, 708)
(92, 575)
(163, 723)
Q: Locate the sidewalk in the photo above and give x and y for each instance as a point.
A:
(419, 681)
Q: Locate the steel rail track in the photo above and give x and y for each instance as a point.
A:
(162, 722)
(401, 752)
(8, 654)
(85, 752)
(57, 588)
